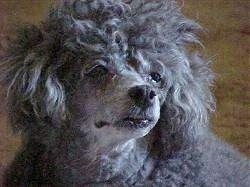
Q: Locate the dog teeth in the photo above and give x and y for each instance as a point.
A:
(135, 123)
(131, 122)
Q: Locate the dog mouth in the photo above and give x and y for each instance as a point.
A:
(136, 122)
(128, 122)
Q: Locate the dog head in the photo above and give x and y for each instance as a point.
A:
(112, 68)
(120, 101)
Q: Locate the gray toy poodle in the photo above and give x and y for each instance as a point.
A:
(108, 93)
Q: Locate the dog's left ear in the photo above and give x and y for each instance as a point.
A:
(189, 98)
(185, 112)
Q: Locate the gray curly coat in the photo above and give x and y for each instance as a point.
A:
(106, 92)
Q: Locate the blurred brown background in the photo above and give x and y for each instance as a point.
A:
(227, 42)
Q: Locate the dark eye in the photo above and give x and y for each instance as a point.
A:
(97, 72)
(155, 76)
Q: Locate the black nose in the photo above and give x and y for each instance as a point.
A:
(142, 95)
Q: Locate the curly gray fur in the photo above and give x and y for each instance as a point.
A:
(43, 70)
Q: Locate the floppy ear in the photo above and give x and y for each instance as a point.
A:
(33, 88)
(185, 112)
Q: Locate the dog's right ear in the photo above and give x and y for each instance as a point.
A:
(32, 86)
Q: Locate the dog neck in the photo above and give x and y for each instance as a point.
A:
(120, 162)
(87, 162)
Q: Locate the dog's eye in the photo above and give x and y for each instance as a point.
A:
(97, 72)
(155, 76)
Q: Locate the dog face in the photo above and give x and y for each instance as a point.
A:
(119, 102)
(130, 58)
